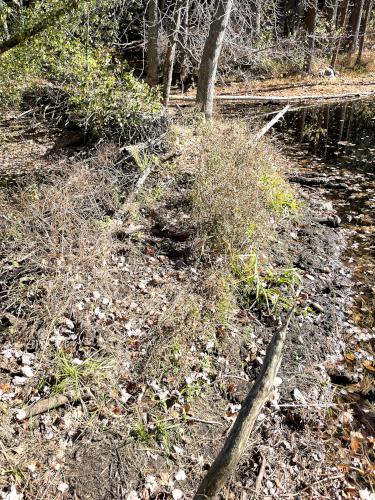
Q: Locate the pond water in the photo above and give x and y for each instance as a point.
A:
(338, 141)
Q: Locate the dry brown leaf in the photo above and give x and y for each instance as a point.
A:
(355, 441)
(349, 356)
(369, 366)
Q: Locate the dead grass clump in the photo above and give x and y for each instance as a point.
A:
(238, 188)
(55, 231)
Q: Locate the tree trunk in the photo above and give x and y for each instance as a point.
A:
(343, 17)
(183, 46)
(334, 24)
(211, 54)
(355, 25)
(171, 52)
(152, 43)
(311, 19)
(45, 22)
(364, 28)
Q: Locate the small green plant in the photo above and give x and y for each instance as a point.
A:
(269, 288)
(279, 196)
(73, 376)
(157, 431)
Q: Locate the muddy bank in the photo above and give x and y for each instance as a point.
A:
(162, 351)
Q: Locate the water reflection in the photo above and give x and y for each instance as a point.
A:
(344, 133)
(339, 141)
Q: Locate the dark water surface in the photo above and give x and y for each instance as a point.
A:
(338, 141)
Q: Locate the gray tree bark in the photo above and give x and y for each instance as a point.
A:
(210, 57)
(171, 52)
(311, 20)
(364, 29)
(152, 43)
(344, 13)
(355, 25)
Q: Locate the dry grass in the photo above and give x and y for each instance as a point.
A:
(239, 188)
(148, 338)
(55, 238)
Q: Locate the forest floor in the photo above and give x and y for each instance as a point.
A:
(300, 85)
(303, 86)
(121, 308)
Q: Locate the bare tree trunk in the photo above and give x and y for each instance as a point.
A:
(364, 28)
(171, 52)
(355, 25)
(152, 43)
(311, 20)
(234, 446)
(211, 54)
(343, 17)
(183, 45)
(334, 24)
(44, 22)
(3, 15)
(256, 8)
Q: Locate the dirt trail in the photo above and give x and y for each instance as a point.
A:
(297, 86)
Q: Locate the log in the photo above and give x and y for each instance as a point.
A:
(271, 123)
(235, 444)
(277, 99)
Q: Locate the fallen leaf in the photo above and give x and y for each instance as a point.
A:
(369, 366)
(355, 441)
(177, 494)
(180, 475)
(349, 356)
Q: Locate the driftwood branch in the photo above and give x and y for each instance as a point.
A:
(235, 444)
(271, 123)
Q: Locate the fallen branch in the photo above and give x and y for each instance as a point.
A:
(262, 470)
(142, 179)
(235, 444)
(271, 123)
(276, 99)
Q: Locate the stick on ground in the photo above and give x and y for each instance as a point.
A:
(235, 444)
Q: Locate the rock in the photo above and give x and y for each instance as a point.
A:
(330, 221)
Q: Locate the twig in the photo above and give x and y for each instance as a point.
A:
(331, 478)
(202, 421)
(259, 480)
(139, 185)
